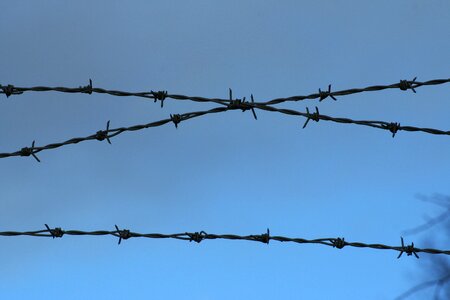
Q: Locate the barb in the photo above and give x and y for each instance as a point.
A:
(403, 85)
(160, 95)
(177, 118)
(315, 116)
(409, 250)
(326, 94)
(125, 234)
(242, 104)
(103, 134)
(27, 151)
(57, 232)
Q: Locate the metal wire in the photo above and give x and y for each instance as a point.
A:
(403, 85)
(228, 104)
(235, 104)
(125, 234)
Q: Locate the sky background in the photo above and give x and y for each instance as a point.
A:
(221, 173)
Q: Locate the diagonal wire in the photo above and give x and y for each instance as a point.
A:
(321, 95)
(125, 234)
(236, 104)
(404, 85)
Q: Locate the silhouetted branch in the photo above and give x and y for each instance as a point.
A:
(438, 282)
(441, 266)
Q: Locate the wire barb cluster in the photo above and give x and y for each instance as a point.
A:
(242, 104)
(405, 85)
(409, 250)
(326, 94)
(125, 234)
(103, 134)
(314, 116)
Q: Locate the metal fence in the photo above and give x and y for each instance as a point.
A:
(226, 105)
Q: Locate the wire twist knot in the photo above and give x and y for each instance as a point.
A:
(9, 90)
(312, 116)
(87, 89)
(123, 234)
(197, 236)
(409, 250)
(176, 118)
(56, 232)
(338, 243)
(241, 104)
(103, 134)
(393, 127)
(159, 95)
(265, 237)
(325, 94)
(405, 85)
(27, 151)
(238, 104)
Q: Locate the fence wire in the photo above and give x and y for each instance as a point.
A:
(243, 105)
(228, 104)
(124, 234)
(403, 85)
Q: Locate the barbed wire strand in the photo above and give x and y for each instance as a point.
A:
(403, 85)
(235, 104)
(125, 234)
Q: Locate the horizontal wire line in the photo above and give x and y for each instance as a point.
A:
(162, 95)
(202, 235)
(237, 104)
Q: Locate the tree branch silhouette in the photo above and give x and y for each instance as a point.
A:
(442, 266)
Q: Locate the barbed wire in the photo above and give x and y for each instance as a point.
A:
(240, 104)
(403, 85)
(124, 234)
(229, 104)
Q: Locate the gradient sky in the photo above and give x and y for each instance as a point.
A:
(222, 173)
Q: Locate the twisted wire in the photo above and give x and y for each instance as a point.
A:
(242, 105)
(265, 238)
(403, 85)
(228, 104)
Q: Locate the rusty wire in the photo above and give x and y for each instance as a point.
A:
(124, 234)
(403, 85)
(243, 105)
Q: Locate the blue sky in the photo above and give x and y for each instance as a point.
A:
(222, 173)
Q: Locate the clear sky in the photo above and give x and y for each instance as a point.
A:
(221, 173)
